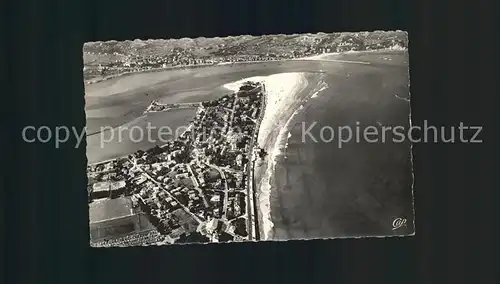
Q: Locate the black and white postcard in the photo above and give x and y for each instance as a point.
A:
(248, 138)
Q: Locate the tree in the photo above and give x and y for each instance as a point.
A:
(194, 237)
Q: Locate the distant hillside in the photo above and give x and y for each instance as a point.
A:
(107, 58)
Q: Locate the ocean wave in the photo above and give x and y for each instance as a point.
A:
(280, 95)
(321, 87)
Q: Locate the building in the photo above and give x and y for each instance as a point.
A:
(239, 160)
(215, 198)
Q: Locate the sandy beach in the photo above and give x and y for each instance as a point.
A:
(316, 190)
(284, 97)
(335, 55)
(311, 190)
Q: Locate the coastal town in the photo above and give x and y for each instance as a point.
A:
(228, 155)
(195, 188)
(103, 59)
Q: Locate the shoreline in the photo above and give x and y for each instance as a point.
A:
(283, 101)
(128, 123)
(277, 144)
(280, 168)
(96, 80)
(281, 91)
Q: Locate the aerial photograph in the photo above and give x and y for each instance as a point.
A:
(248, 138)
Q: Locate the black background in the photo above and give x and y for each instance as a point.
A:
(46, 228)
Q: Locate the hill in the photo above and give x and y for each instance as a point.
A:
(109, 58)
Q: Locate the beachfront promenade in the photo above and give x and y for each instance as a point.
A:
(253, 218)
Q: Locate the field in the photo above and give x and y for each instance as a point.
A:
(119, 227)
(115, 217)
(109, 208)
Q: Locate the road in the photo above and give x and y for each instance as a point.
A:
(252, 222)
(323, 191)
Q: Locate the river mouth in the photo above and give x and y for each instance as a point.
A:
(316, 190)
(120, 102)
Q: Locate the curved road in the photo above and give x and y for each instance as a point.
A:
(320, 190)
